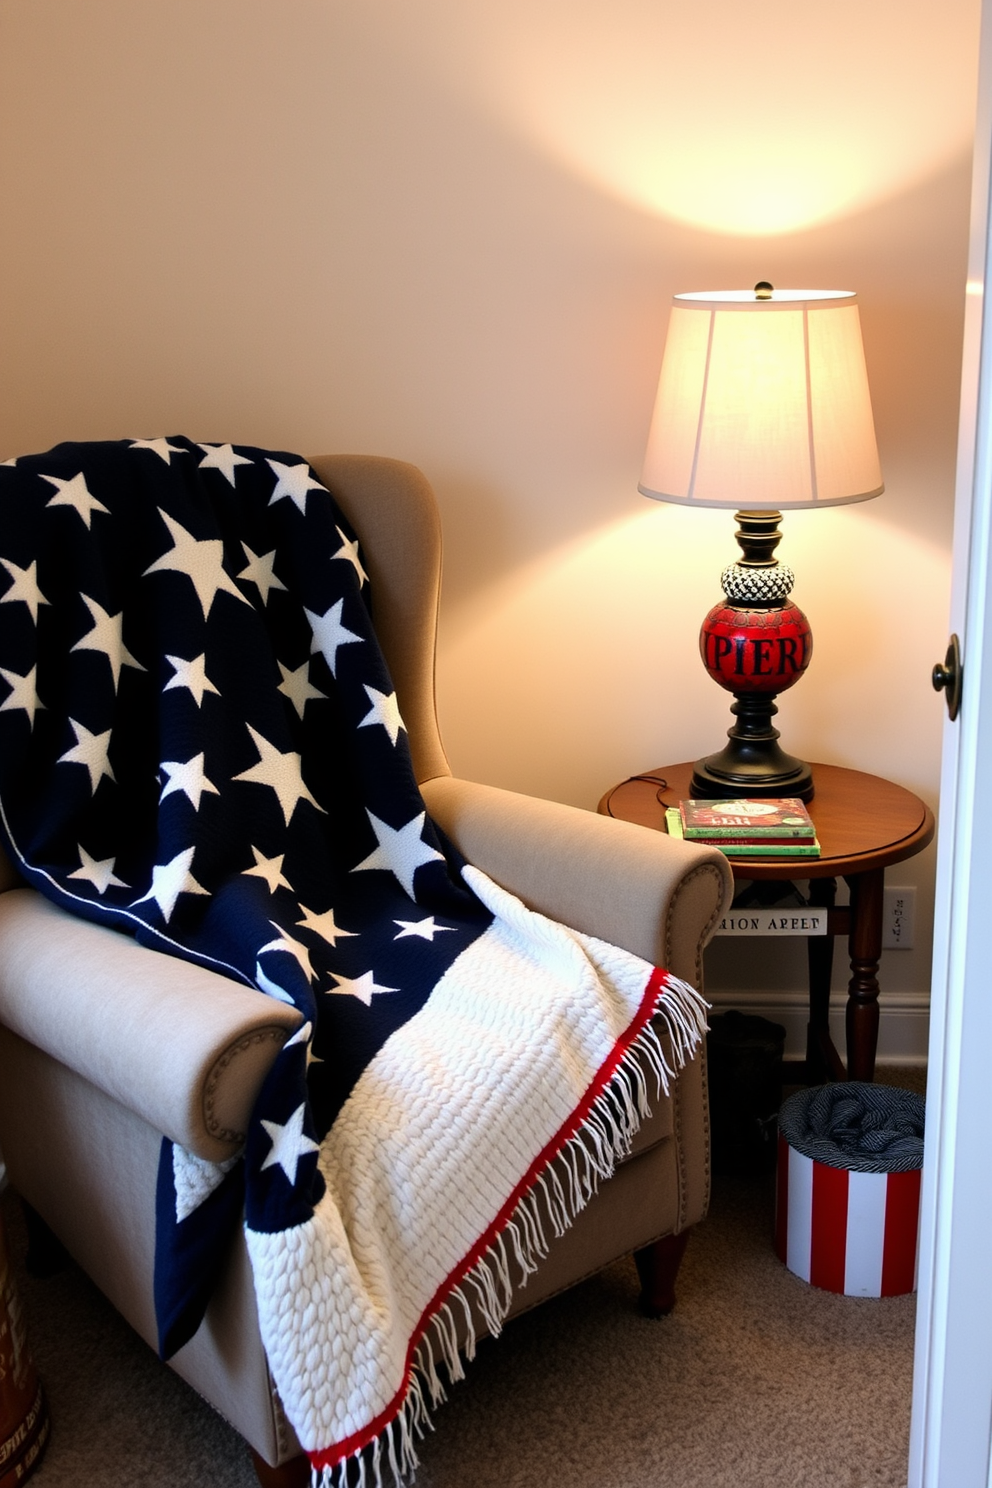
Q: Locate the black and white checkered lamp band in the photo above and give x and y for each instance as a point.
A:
(757, 585)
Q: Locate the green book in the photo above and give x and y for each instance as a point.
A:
(788, 847)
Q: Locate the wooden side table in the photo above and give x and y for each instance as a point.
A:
(864, 823)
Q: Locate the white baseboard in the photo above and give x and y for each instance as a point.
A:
(903, 1029)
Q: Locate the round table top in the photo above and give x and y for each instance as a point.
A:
(862, 821)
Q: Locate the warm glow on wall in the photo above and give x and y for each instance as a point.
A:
(534, 649)
(754, 119)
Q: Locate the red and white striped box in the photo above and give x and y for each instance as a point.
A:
(847, 1232)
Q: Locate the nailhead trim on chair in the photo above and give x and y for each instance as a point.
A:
(709, 871)
(676, 1094)
(284, 1444)
(262, 1035)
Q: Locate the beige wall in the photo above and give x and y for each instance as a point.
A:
(449, 231)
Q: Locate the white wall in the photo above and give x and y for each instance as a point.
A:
(450, 232)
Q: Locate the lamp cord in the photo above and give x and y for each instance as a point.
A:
(658, 780)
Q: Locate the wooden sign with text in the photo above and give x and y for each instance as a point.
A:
(803, 921)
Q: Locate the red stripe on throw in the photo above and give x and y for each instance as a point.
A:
(654, 991)
(782, 1200)
(902, 1213)
(829, 1246)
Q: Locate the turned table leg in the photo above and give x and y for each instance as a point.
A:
(866, 952)
(822, 1059)
(658, 1267)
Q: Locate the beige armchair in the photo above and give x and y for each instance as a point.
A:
(83, 1102)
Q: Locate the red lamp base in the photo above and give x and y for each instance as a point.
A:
(755, 643)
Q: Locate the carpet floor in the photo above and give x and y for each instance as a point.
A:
(755, 1381)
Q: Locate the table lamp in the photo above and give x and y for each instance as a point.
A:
(763, 406)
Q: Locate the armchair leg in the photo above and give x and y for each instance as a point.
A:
(292, 1474)
(658, 1267)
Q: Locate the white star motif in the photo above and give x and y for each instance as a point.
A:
(280, 772)
(23, 693)
(401, 851)
(188, 776)
(302, 1036)
(384, 710)
(425, 929)
(288, 1144)
(169, 880)
(89, 750)
(292, 948)
(270, 869)
(77, 494)
(105, 635)
(201, 560)
(25, 587)
(293, 481)
(160, 447)
(364, 987)
(324, 926)
(191, 674)
(349, 551)
(329, 634)
(259, 572)
(221, 457)
(99, 872)
(298, 687)
(269, 987)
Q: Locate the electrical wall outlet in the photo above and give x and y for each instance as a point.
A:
(898, 919)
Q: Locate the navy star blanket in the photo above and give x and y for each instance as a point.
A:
(200, 745)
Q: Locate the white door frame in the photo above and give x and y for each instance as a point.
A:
(951, 1436)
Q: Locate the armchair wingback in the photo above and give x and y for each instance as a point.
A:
(83, 1106)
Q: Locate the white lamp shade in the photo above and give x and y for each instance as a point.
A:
(763, 403)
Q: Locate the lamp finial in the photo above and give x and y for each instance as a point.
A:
(763, 290)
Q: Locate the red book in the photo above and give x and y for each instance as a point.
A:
(779, 818)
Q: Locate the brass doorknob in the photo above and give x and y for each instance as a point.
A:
(947, 678)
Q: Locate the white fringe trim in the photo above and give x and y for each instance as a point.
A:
(560, 1193)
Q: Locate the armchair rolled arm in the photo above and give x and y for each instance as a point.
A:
(181, 1046)
(650, 893)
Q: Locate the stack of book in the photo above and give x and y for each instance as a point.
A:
(778, 827)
